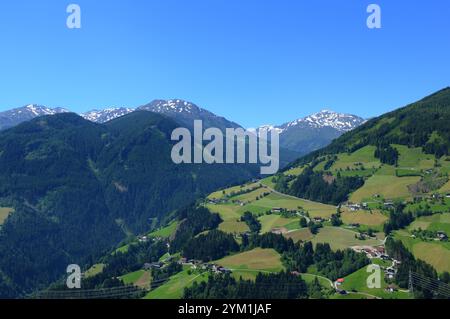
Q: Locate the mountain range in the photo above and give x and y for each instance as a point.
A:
(73, 189)
(300, 136)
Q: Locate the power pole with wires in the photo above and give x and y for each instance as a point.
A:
(410, 284)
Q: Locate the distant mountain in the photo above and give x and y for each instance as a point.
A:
(186, 112)
(297, 138)
(106, 115)
(181, 111)
(16, 116)
(315, 131)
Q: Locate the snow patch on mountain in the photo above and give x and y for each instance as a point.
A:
(106, 115)
(170, 106)
(325, 118)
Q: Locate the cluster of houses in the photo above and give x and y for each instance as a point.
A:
(379, 252)
(372, 252)
(217, 201)
(354, 207)
(198, 264)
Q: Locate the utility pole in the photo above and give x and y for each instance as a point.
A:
(410, 284)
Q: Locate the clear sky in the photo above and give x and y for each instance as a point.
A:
(252, 61)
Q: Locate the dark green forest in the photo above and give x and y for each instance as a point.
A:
(79, 188)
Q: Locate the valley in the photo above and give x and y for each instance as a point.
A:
(377, 195)
(388, 207)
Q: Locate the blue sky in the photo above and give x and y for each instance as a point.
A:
(252, 61)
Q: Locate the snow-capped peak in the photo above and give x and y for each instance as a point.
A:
(171, 106)
(33, 110)
(105, 115)
(324, 118)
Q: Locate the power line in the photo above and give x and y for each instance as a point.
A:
(432, 285)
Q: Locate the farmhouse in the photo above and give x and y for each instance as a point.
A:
(354, 207)
(143, 239)
(155, 265)
(277, 231)
(219, 269)
(391, 288)
(277, 210)
(442, 236)
(389, 204)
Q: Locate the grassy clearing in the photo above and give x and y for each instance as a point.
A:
(233, 227)
(363, 217)
(364, 155)
(309, 278)
(132, 277)
(445, 188)
(257, 259)
(435, 206)
(268, 222)
(167, 231)
(437, 222)
(4, 213)
(404, 172)
(358, 282)
(123, 249)
(278, 200)
(295, 171)
(251, 196)
(230, 215)
(340, 238)
(174, 288)
(94, 270)
(222, 193)
(435, 253)
(268, 182)
(413, 157)
(226, 211)
(388, 186)
(303, 234)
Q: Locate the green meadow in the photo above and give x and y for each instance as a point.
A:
(174, 287)
(364, 155)
(387, 186)
(94, 270)
(340, 238)
(357, 282)
(434, 252)
(268, 222)
(364, 217)
(4, 213)
(165, 232)
(255, 260)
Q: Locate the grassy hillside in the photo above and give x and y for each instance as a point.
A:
(249, 263)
